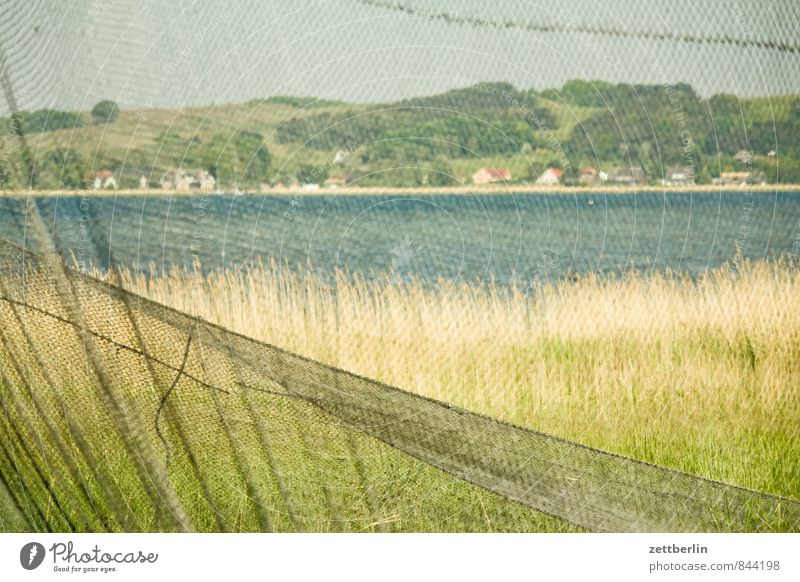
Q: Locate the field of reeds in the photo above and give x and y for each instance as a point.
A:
(113, 418)
(699, 375)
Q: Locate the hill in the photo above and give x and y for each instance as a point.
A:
(438, 140)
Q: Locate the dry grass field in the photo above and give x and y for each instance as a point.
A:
(702, 376)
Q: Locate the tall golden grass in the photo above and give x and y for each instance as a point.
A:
(701, 375)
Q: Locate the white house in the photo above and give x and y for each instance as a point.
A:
(489, 175)
(188, 179)
(104, 179)
(550, 177)
(206, 181)
(678, 176)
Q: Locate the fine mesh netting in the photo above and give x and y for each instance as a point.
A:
(111, 400)
(558, 230)
(162, 55)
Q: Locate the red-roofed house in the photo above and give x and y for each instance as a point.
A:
(489, 175)
(589, 176)
(550, 177)
(333, 183)
(104, 179)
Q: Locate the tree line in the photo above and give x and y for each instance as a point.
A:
(419, 141)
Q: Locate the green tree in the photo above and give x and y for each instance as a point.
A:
(105, 112)
(441, 174)
(254, 155)
(243, 157)
(310, 174)
(43, 120)
(6, 175)
(60, 168)
(584, 93)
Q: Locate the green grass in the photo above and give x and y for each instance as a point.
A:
(701, 377)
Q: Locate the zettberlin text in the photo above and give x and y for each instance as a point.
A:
(675, 549)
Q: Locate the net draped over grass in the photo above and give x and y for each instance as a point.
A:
(701, 376)
(122, 414)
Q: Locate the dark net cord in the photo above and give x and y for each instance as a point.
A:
(120, 414)
(452, 17)
(185, 413)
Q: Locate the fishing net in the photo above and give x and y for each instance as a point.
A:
(112, 400)
(122, 414)
(158, 55)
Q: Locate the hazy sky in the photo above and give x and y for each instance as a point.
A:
(169, 54)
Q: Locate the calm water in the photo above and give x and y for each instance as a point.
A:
(457, 237)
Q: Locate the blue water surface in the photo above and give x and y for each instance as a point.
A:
(459, 237)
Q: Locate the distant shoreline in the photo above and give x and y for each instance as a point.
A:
(420, 191)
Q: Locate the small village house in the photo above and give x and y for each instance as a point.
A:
(589, 176)
(550, 177)
(206, 181)
(188, 179)
(627, 176)
(489, 175)
(104, 179)
(143, 182)
(678, 176)
(333, 183)
(742, 178)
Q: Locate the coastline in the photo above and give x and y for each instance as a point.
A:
(421, 191)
